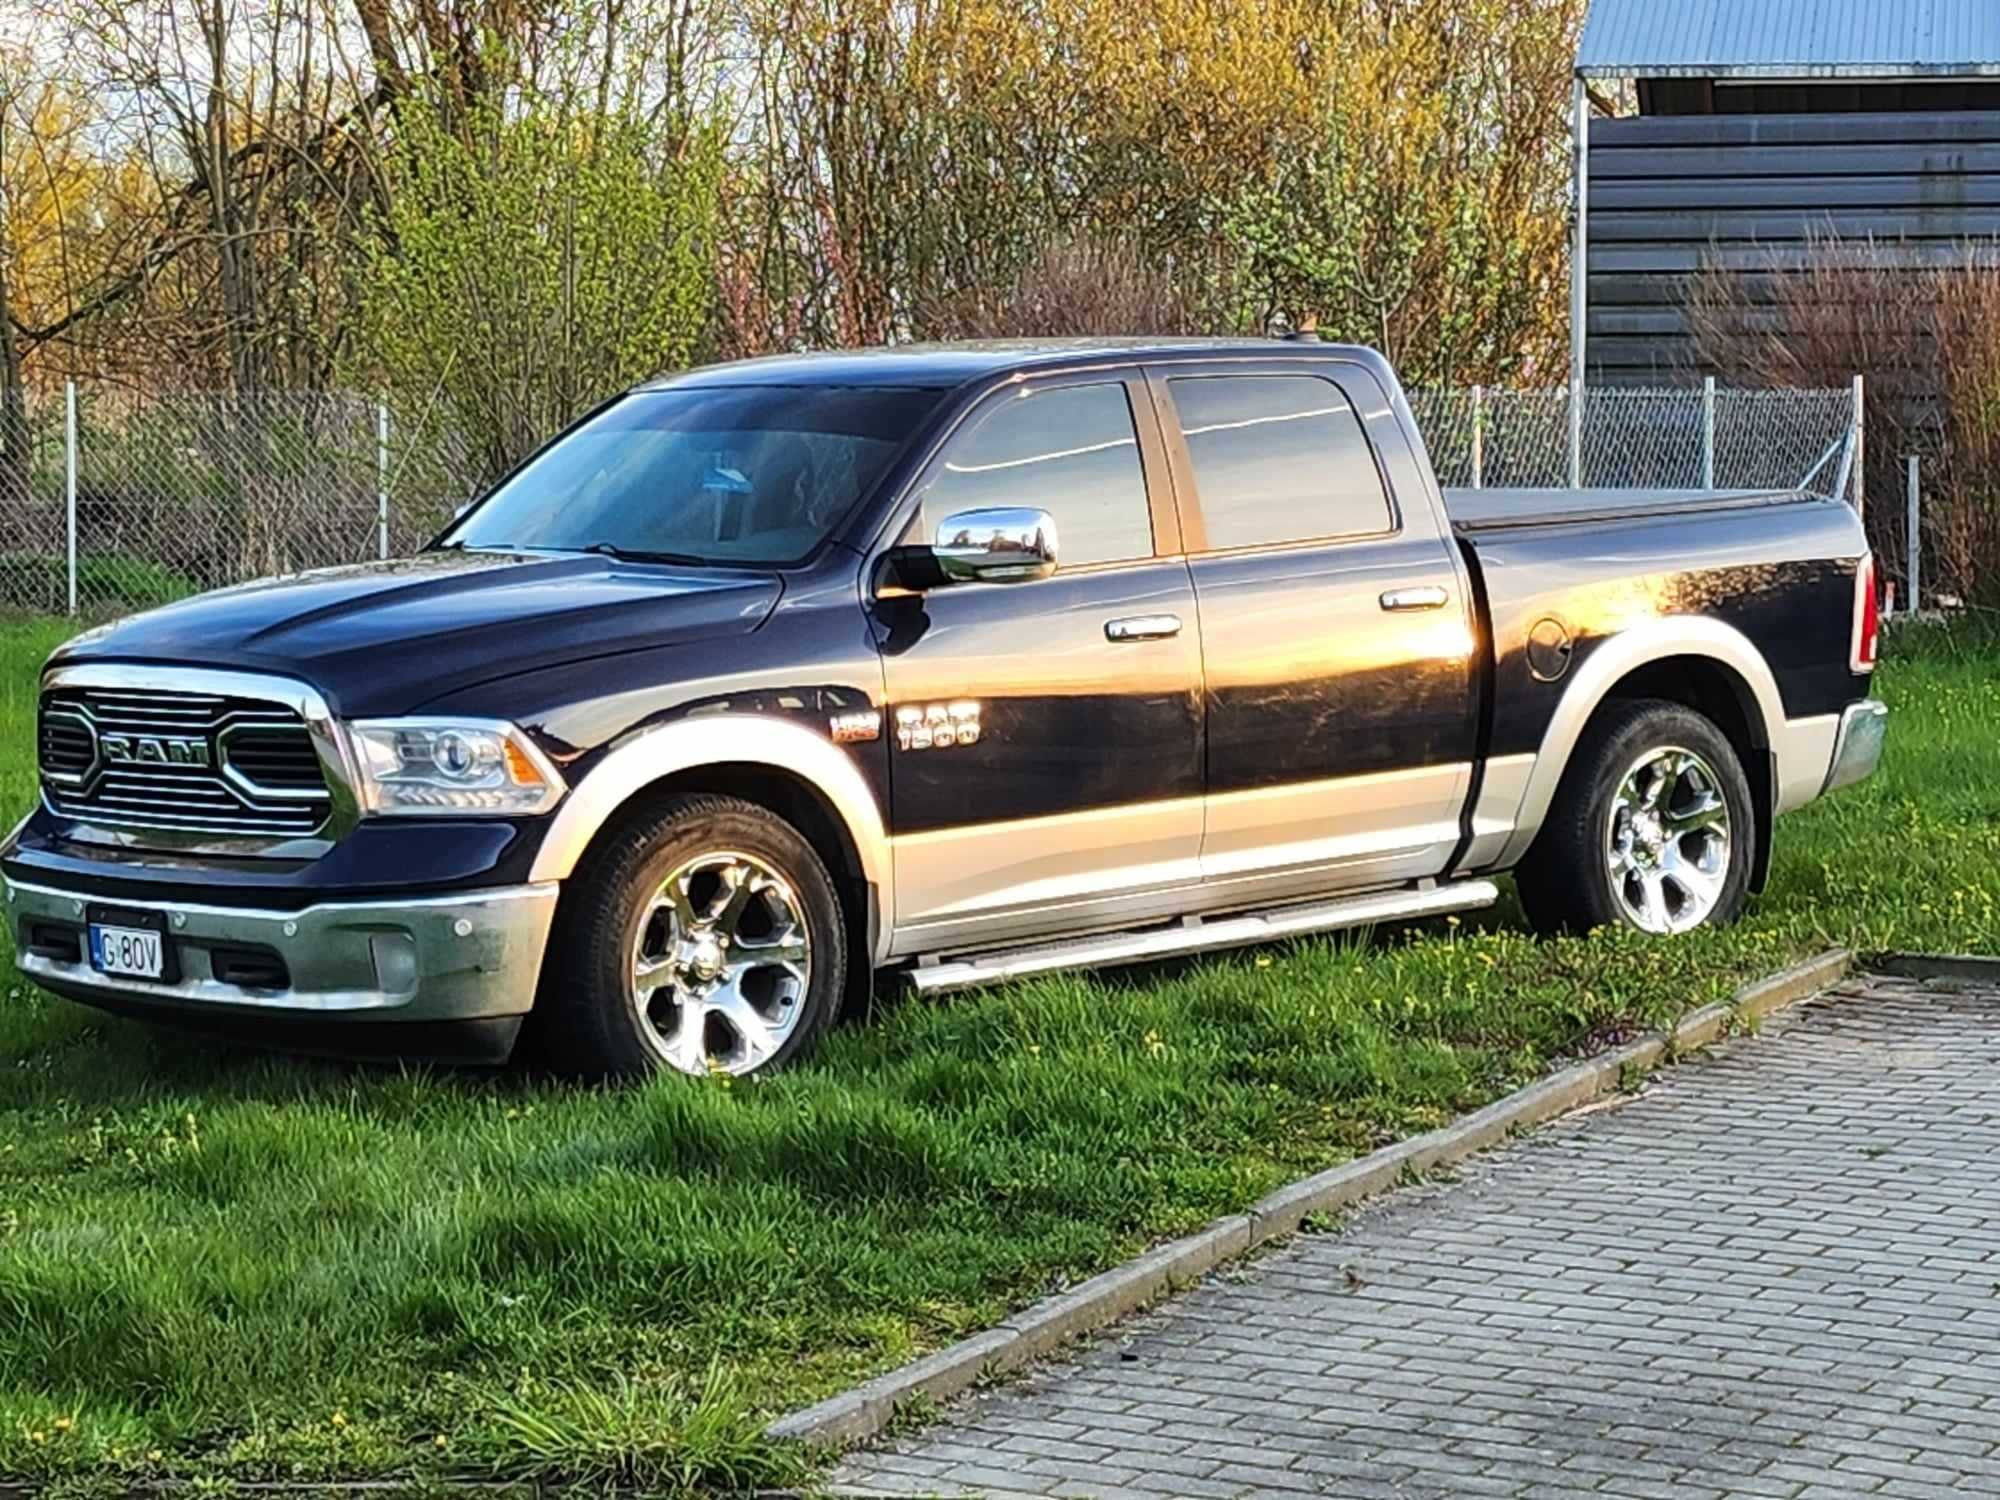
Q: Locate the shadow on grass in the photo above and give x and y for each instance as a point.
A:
(96, 1059)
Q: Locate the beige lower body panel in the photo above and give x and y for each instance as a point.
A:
(1497, 812)
(1401, 825)
(1804, 752)
(1052, 877)
(1004, 880)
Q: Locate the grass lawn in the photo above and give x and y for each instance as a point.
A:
(217, 1262)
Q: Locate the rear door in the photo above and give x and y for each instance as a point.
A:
(1076, 798)
(1337, 634)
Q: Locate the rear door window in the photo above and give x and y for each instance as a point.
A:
(1278, 458)
(1069, 450)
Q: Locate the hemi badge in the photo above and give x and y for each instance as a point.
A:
(848, 728)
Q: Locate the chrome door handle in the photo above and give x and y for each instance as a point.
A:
(1430, 597)
(1142, 628)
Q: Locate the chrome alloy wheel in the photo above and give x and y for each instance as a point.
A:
(721, 964)
(1667, 841)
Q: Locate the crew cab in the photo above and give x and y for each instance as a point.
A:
(966, 662)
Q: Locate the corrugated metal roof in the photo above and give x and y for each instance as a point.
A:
(1790, 38)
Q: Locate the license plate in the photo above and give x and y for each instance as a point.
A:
(131, 951)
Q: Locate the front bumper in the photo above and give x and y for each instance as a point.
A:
(470, 956)
(1857, 749)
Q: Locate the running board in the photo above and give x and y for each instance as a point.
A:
(1106, 949)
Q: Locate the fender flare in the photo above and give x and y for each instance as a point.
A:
(712, 740)
(1608, 665)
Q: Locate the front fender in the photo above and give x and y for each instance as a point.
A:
(719, 740)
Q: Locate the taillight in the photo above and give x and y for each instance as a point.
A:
(1867, 617)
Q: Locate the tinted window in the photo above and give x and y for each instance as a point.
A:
(730, 474)
(1071, 451)
(1278, 458)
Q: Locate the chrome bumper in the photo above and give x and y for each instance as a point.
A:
(477, 955)
(1857, 750)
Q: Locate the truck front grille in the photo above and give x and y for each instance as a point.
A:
(180, 762)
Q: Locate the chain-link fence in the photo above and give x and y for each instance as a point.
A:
(170, 494)
(1699, 437)
(152, 497)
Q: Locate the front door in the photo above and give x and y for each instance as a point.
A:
(1336, 630)
(1045, 736)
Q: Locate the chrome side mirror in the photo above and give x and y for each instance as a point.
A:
(1006, 544)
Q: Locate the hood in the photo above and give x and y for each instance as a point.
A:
(385, 638)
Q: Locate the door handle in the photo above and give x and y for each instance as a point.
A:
(1142, 628)
(1429, 597)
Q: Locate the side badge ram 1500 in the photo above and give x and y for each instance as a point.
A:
(937, 726)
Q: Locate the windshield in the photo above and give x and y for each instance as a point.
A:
(728, 474)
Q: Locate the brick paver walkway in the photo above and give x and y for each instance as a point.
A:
(1775, 1272)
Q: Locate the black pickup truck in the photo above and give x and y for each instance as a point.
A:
(969, 662)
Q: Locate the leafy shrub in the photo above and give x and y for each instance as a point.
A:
(1076, 288)
(1928, 340)
(530, 264)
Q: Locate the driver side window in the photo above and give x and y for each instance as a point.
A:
(1071, 451)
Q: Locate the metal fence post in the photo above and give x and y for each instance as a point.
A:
(1860, 442)
(1916, 540)
(69, 480)
(1579, 257)
(1576, 434)
(1479, 437)
(1708, 432)
(382, 479)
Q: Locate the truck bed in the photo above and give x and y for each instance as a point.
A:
(1492, 509)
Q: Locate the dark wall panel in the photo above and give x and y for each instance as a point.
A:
(1750, 194)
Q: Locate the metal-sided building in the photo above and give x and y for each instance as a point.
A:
(1763, 126)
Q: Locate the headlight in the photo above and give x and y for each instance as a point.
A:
(447, 766)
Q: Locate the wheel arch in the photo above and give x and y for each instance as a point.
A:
(1703, 664)
(771, 762)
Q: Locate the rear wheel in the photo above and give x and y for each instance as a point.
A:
(1653, 827)
(704, 937)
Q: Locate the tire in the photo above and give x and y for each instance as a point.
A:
(1604, 856)
(754, 953)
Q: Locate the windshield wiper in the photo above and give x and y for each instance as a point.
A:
(635, 554)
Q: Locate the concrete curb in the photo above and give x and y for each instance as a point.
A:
(1090, 1305)
(1971, 968)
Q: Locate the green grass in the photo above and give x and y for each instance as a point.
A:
(216, 1262)
(112, 585)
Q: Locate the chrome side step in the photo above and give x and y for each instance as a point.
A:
(1106, 949)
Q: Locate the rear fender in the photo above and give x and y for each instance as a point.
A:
(1792, 746)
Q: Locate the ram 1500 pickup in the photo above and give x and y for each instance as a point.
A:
(969, 662)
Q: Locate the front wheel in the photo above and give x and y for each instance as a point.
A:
(703, 937)
(1653, 827)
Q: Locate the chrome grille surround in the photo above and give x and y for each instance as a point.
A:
(160, 775)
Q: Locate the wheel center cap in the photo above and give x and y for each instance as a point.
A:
(1648, 832)
(704, 957)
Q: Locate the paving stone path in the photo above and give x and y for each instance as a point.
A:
(1774, 1272)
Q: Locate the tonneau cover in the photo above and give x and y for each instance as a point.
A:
(1488, 509)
